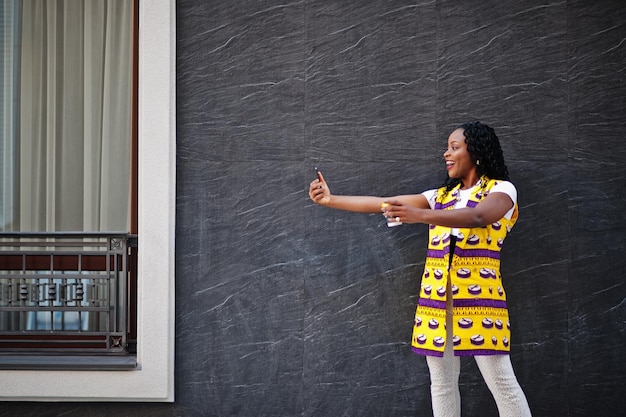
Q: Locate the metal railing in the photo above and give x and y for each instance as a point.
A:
(64, 292)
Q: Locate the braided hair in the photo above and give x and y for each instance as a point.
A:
(484, 148)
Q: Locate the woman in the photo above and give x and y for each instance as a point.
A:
(462, 305)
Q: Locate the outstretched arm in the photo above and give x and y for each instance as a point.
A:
(489, 210)
(320, 194)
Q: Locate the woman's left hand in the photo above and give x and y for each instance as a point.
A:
(402, 212)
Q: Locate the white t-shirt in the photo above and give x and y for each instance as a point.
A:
(505, 187)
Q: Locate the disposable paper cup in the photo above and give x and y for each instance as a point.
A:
(391, 221)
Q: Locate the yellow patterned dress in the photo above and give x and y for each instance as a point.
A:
(479, 312)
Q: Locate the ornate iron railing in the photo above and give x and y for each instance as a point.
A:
(64, 292)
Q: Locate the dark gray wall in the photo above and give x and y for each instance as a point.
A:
(285, 308)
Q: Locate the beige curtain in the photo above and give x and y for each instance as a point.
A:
(9, 33)
(74, 140)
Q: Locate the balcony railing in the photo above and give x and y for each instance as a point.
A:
(65, 293)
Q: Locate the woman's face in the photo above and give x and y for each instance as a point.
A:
(458, 160)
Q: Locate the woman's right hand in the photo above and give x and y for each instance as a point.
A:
(319, 191)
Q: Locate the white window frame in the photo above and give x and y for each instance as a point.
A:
(153, 380)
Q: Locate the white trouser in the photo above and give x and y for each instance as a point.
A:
(496, 370)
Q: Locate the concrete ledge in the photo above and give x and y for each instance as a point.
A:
(68, 363)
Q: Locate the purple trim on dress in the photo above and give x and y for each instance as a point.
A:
(472, 204)
(426, 352)
(473, 302)
(483, 253)
(426, 302)
(438, 253)
(440, 206)
(479, 352)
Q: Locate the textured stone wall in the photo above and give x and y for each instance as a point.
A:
(286, 308)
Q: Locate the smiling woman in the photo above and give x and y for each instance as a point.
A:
(462, 308)
(458, 160)
(473, 142)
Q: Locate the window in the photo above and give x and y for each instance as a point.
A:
(66, 115)
(66, 166)
(153, 378)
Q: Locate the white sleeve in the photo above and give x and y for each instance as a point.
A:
(509, 189)
(431, 196)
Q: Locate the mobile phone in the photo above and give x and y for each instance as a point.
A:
(317, 172)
